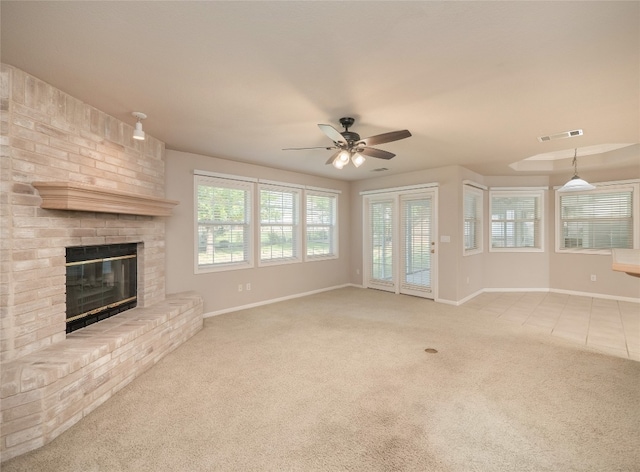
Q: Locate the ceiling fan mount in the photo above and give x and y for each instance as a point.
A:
(350, 136)
(350, 147)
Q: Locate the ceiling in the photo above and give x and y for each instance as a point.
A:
(476, 83)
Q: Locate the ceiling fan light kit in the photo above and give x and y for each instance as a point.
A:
(357, 159)
(350, 147)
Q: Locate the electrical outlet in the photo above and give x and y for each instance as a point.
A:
(248, 286)
(357, 271)
(240, 288)
(593, 277)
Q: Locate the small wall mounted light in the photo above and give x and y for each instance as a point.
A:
(576, 183)
(137, 132)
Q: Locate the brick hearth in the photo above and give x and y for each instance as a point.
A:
(51, 379)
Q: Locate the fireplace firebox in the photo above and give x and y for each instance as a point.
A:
(101, 282)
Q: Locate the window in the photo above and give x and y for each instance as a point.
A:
(596, 220)
(516, 220)
(472, 224)
(227, 227)
(223, 224)
(322, 227)
(279, 224)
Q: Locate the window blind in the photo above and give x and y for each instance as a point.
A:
(279, 223)
(472, 220)
(416, 223)
(223, 222)
(321, 225)
(600, 220)
(381, 220)
(516, 221)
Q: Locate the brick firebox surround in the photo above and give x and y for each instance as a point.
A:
(49, 379)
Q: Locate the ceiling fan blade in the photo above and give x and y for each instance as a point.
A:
(385, 137)
(373, 152)
(326, 148)
(333, 157)
(333, 133)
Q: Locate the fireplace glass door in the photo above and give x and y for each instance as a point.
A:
(101, 282)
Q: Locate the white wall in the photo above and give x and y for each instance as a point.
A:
(459, 276)
(572, 272)
(220, 289)
(518, 270)
(449, 204)
(462, 276)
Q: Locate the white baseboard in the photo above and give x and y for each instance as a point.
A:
(459, 302)
(596, 295)
(273, 300)
(552, 290)
(439, 300)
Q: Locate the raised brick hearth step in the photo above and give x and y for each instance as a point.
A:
(46, 392)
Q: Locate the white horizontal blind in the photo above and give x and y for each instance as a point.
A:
(321, 224)
(279, 224)
(472, 224)
(597, 220)
(416, 242)
(516, 220)
(223, 223)
(382, 240)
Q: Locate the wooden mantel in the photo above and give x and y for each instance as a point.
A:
(82, 197)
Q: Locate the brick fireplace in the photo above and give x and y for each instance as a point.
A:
(73, 176)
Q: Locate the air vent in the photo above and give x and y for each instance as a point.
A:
(380, 169)
(564, 134)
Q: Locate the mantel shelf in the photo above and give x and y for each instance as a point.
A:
(81, 197)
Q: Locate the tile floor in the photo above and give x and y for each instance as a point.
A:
(606, 325)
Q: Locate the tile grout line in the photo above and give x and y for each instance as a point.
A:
(624, 330)
(560, 316)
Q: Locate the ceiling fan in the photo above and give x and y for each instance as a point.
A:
(350, 147)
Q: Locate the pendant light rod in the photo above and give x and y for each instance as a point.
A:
(576, 183)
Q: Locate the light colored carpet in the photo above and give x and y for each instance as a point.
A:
(340, 381)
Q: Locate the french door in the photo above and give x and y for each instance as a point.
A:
(400, 247)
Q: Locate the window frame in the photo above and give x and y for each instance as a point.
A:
(242, 184)
(333, 226)
(632, 186)
(296, 224)
(478, 220)
(518, 192)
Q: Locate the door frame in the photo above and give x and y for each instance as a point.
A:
(395, 194)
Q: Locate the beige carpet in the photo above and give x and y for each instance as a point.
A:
(340, 381)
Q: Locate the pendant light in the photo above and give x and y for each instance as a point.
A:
(576, 183)
(137, 132)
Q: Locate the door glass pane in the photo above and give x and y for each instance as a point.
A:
(416, 228)
(382, 241)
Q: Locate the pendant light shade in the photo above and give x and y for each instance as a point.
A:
(357, 159)
(576, 183)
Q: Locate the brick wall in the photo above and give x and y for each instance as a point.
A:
(50, 380)
(48, 135)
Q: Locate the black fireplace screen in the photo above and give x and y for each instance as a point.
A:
(101, 282)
